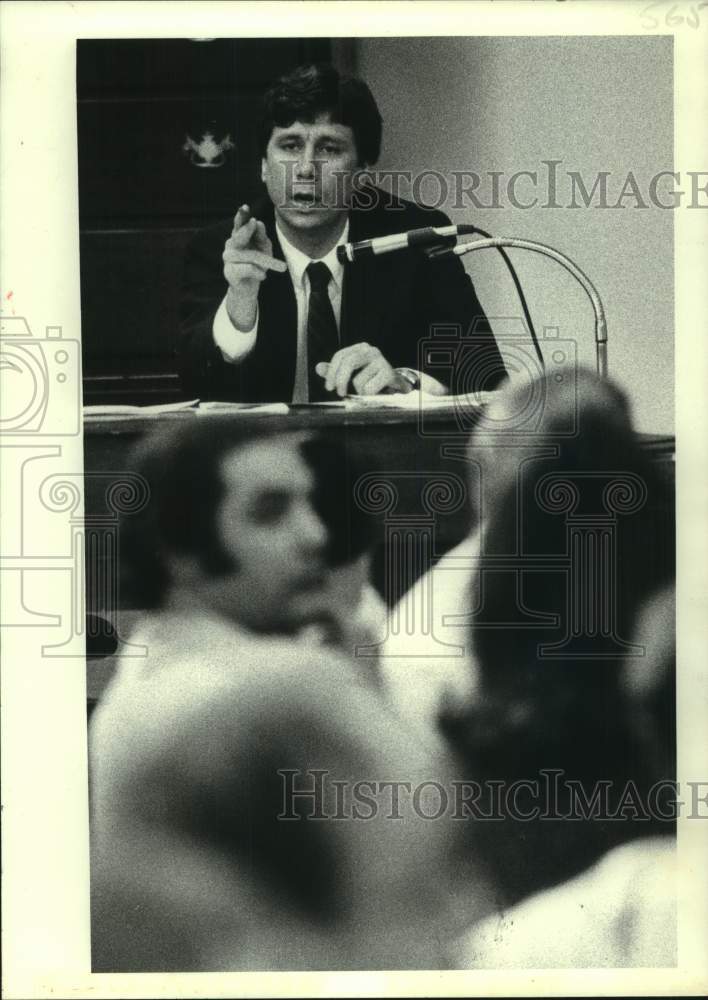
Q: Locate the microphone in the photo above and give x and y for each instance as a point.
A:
(429, 236)
(499, 243)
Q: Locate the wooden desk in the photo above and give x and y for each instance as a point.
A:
(416, 477)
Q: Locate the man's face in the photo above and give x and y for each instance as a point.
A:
(267, 523)
(307, 171)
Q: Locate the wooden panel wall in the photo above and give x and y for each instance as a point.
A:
(142, 196)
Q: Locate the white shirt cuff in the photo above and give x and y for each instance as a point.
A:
(233, 344)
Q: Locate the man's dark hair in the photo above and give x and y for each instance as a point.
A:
(309, 91)
(181, 468)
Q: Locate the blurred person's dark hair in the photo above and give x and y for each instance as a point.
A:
(561, 712)
(351, 531)
(181, 468)
(309, 91)
(604, 449)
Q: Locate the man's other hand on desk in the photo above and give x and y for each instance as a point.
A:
(363, 369)
(248, 256)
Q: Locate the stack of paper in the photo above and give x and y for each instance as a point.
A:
(214, 406)
(415, 400)
(124, 410)
(418, 400)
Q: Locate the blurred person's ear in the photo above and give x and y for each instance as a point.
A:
(649, 684)
(185, 572)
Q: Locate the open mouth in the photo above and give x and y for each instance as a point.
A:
(306, 199)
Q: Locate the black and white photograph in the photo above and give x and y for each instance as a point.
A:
(353, 556)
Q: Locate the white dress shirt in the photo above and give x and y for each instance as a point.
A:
(235, 345)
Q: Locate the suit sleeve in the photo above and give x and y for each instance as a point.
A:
(202, 369)
(458, 346)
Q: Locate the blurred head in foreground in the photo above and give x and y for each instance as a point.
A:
(207, 857)
(649, 685)
(233, 526)
(576, 532)
(254, 525)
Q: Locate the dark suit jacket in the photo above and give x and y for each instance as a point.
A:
(390, 301)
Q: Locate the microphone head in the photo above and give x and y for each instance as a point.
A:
(342, 256)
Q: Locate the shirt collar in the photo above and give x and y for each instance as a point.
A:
(297, 261)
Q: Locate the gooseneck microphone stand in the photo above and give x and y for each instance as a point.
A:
(500, 242)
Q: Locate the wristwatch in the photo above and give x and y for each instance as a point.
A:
(410, 376)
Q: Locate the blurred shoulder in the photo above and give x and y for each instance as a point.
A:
(620, 912)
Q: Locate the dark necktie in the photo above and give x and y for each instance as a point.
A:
(322, 336)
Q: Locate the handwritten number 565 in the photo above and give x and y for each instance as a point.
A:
(671, 18)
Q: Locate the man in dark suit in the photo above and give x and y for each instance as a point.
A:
(285, 320)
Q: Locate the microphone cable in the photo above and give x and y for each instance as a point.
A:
(434, 240)
(519, 291)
